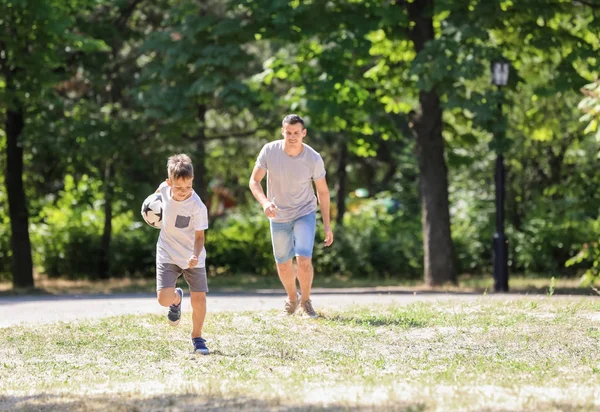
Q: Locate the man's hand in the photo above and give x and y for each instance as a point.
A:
(270, 209)
(193, 261)
(328, 237)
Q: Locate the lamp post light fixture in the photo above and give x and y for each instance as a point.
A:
(500, 71)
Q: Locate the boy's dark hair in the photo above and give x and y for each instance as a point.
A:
(292, 119)
(180, 166)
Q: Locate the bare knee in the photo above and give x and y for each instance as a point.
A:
(198, 300)
(166, 297)
(286, 267)
(304, 263)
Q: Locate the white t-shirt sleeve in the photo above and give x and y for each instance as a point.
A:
(261, 160)
(318, 169)
(162, 186)
(201, 218)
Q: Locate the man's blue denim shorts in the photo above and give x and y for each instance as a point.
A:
(294, 238)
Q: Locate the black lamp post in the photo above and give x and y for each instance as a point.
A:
(500, 71)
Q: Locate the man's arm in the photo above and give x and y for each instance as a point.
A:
(324, 203)
(257, 176)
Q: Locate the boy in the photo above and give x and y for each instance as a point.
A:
(180, 247)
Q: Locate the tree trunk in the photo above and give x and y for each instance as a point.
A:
(341, 183)
(105, 243)
(17, 204)
(200, 160)
(439, 256)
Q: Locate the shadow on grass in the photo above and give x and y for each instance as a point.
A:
(550, 406)
(405, 322)
(187, 402)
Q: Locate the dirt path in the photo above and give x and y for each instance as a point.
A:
(48, 309)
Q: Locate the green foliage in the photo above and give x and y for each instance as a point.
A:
(472, 227)
(379, 240)
(66, 235)
(590, 105)
(589, 256)
(110, 89)
(36, 45)
(240, 243)
(5, 249)
(199, 58)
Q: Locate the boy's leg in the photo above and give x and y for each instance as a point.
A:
(198, 283)
(198, 312)
(283, 251)
(166, 280)
(167, 293)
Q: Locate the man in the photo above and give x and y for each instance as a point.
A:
(290, 204)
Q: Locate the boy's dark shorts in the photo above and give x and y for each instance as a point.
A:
(168, 273)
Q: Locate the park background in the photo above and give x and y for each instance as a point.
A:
(397, 97)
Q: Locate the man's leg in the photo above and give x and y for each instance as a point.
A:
(304, 241)
(287, 275)
(282, 237)
(305, 276)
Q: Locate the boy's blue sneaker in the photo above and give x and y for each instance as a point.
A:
(174, 314)
(200, 346)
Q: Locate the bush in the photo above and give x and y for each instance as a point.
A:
(375, 242)
(66, 236)
(379, 240)
(240, 243)
(588, 258)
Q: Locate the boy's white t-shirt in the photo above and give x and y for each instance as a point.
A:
(180, 221)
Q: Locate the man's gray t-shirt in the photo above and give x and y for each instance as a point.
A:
(289, 179)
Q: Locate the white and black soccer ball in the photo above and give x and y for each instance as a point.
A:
(152, 210)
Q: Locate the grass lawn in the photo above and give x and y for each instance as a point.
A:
(536, 353)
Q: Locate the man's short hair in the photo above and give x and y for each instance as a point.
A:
(180, 166)
(292, 119)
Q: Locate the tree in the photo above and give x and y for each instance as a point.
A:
(36, 42)
(590, 105)
(198, 64)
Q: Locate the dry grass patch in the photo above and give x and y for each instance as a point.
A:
(479, 355)
(245, 282)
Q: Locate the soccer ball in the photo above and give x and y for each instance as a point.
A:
(152, 210)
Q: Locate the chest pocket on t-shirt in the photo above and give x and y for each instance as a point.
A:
(181, 222)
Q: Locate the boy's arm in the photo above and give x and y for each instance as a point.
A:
(198, 242)
(324, 202)
(198, 245)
